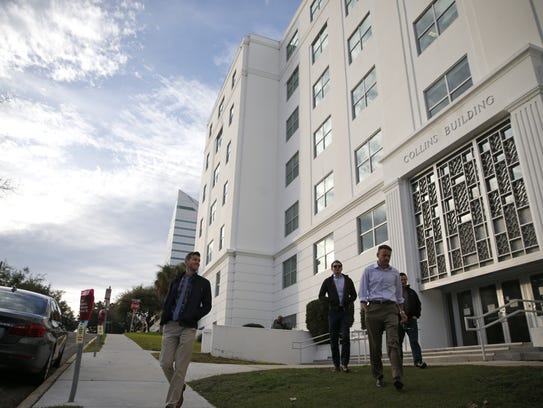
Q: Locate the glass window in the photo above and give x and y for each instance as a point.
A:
(291, 218)
(209, 252)
(320, 43)
(289, 271)
(233, 79)
(207, 161)
(367, 157)
(221, 238)
(349, 4)
(221, 107)
(359, 38)
(434, 21)
(448, 87)
(324, 193)
(320, 89)
(224, 193)
(322, 137)
(372, 228)
(323, 252)
(364, 93)
(292, 83)
(204, 193)
(210, 129)
(231, 115)
(216, 174)
(292, 123)
(228, 151)
(315, 7)
(201, 227)
(291, 169)
(292, 44)
(212, 212)
(217, 283)
(218, 141)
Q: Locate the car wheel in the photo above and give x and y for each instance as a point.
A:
(59, 358)
(42, 375)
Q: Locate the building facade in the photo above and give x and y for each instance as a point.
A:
(182, 229)
(415, 123)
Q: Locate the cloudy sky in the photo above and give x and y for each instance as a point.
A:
(103, 109)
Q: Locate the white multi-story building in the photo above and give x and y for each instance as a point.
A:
(415, 123)
(182, 229)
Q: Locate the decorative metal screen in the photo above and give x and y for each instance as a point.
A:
(454, 210)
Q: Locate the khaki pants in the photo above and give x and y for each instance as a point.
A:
(383, 318)
(177, 344)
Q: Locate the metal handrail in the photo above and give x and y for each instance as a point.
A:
(502, 316)
(355, 336)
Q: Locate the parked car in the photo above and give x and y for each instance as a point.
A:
(32, 337)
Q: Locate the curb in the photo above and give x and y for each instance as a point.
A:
(35, 395)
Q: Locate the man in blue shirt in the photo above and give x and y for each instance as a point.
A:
(382, 300)
(339, 292)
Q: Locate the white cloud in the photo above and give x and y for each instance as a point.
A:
(227, 54)
(67, 40)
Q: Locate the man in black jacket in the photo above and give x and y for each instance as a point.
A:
(412, 308)
(338, 290)
(187, 301)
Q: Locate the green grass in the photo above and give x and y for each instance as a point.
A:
(90, 346)
(147, 341)
(438, 386)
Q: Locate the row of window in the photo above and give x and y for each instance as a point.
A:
(372, 231)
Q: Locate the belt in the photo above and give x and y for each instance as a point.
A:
(381, 302)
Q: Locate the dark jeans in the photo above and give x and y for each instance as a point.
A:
(339, 321)
(412, 329)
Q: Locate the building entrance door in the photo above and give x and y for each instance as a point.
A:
(489, 302)
(465, 308)
(518, 326)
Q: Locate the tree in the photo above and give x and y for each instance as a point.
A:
(24, 279)
(164, 277)
(150, 305)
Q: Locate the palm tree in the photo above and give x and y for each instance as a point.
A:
(164, 277)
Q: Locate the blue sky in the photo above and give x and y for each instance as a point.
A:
(103, 110)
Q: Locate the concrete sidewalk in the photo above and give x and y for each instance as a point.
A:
(124, 375)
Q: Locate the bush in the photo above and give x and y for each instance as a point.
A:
(316, 317)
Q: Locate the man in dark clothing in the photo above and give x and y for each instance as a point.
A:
(280, 323)
(187, 301)
(338, 290)
(412, 308)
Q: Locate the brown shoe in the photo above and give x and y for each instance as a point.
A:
(180, 402)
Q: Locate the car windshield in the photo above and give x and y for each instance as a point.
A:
(22, 302)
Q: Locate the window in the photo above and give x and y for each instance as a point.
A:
(359, 38)
(289, 271)
(320, 43)
(228, 151)
(315, 7)
(221, 238)
(218, 141)
(216, 175)
(201, 227)
(207, 161)
(291, 169)
(324, 193)
(290, 320)
(209, 252)
(322, 137)
(349, 4)
(233, 79)
(365, 92)
(434, 21)
(204, 193)
(212, 212)
(292, 44)
(367, 157)
(323, 254)
(321, 88)
(210, 129)
(224, 193)
(231, 115)
(292, 83)
(292, 123)
(447, 88)
(291, 218)
(217, 283)
(372, 228)
(221, 107)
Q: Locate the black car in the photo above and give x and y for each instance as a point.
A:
(32, 337)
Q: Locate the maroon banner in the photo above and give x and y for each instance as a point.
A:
(86, 304)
